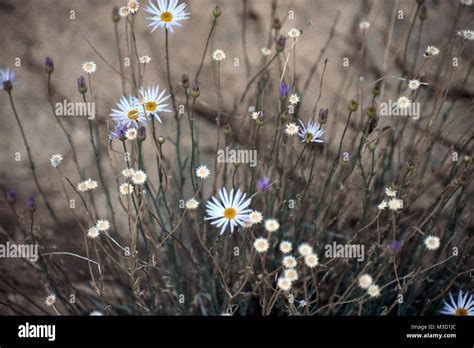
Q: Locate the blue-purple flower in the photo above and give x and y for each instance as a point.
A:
(263, 184)
(11, 196)
(8, 78)
(284, 89)
(31, 203)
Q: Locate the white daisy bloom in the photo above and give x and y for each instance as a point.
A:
(389, 192)
(255, 115)
(93, 232)
(431, 51)
(294, 99)
(145, 59)
(218, 55)
(373, 290)
(294, 33)
(466, 2)
(395, 204)
(129, 113)
(192, 204)
(133, 6)
(255, 217)
(56, 160)
(364, 25)
(126, 189)
(271, 225)
(414, 84)
(305, 249)
(261, 245)
(312, 133)
(153, 101)
(464, 306)
(382, 205)
(432, 243)
(103, 225)
(289, 262)
(285, 247)
(89, 67)
(139, 177)
(50, 300)
(82, 186)
(131, 133)
(466, 34)
(91, 184)
(291, 274)
(311, 260)
(266, 51)
(403, 102)
(128, 172)
(284, 283)
(230, 210)
(202, 172)
(124, 11)
(167, 14)
(292, 128)
(365, 281)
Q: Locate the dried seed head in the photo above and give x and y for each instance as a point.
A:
(371, 111)
(216, 12)
(353, 105)
(276, 24)
(185, 81)
(323, 116)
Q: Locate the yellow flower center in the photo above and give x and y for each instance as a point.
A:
(308, 137)
(230, 213)
(461, 311)
(150, 106)
(166, 16)
(133, 114)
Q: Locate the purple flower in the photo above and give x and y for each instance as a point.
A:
(263, 184)
(141, 133)
(31, 203)
(396, 246)
(119, 132)
(81, 85)
(49, 65)
(11, 196)
(284, 89)
(281, 42)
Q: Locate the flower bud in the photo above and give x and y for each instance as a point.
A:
(31, 204)
(372, 147)
(423, 13)
(227, 129)
(195, 91)
(141, 133)
(371, 111)
(185, 81)
(115, 14)
(49, 65)
(81, 85)
(11, 196)
(280, 45)
(467, 160)
(353, 105)
(216, 12)
(323, 116)
(161, 140)
(276, 24)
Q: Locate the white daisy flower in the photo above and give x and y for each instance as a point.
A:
(255, 217)
(126, 189)
(131, 133)
(153, 101)
(395, 204)
(230, 210)
(311, 260)
(305, 249)
(192, 204)
(382, 205)
(202, 172)
(311, 133)
(139, 177)
(291, 274)
(364, 25)
(389, 192)
(289, 262)
(365, 281)
(145, 59)
(271, 225)
(93, 232)
(466, 2)
(464, 306)
(129, 114)
(432, 242)
(294, 33)
(56, 160)
(128, 172)
(82, 186)
(466, 34)
(50, 300)
(103, 225)
(89, 67)
(261, 245)
(124, 11)
(266, 51)
(133, 6)
(292, 128)
(403, 102)
(91, 184)
(218, 55)
(414, 84)
(431, 51)
(284, 283)
(373, 290)
(255, 115)
(285, 247)
(166, 14)
(96, 313)
(294, 99)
